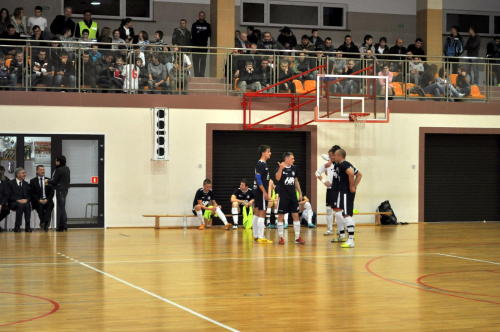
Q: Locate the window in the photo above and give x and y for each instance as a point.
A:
(294, 14)
(135, 9)
(486, 23)
(497, 25)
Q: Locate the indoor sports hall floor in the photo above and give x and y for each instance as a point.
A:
(423, 277)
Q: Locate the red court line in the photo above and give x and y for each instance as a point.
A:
(54, 309)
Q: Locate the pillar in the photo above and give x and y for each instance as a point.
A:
(430, 26)
(222, 24)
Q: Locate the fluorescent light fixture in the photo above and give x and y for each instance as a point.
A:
(95, 3)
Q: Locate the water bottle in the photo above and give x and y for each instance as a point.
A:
(184, 222)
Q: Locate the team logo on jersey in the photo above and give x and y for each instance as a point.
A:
(293, 173)
(205, 203)
(289, 181)
(248, 196)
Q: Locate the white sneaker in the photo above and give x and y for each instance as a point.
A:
(325, 156)
(235, 226)
(347, 244)
(461, 95)
(328, 233)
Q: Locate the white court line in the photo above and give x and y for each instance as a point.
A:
(152, 294)
(469, 259)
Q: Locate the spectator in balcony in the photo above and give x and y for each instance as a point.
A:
(143, 75)
(17, 71)
(315, 39)
(416, 68)
(327, 45)
(142, 39)
(251, 37)
(453, 47)
(367, 44)
(61, 22)
(4, 78)
(184, 61)
(15, 39)
(94, 53)
(302, 64)
(381, 49)
(126, 30)
(116, 39)
(463, 81)
(41, 69)
(338, 64)
(178, 77)
(493, 52)
(200, 32)
(348, 47)
(87, 72)
(268, 43)
(182, 36)
(105, 38)
(157, 74)
(117, 78)
(429, 82)
(369, 59)
(4, 20)
(443, 80)
(285, 73)
(249, 78)
(65, 38)
(104, 71)
(417, 50)
(306, 45)
(19, 21)
(159, 41)
(472, 47)
(266, 75)
(137, 54)
(397, 60)
(87, 24)
(35, 39)
(287, 38)
(54, 52)
(381, 82)
(64, 72)
(85, 39)
(351, 85)
(37, 20)
(242, 42)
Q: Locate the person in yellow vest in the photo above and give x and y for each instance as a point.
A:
(87, 23)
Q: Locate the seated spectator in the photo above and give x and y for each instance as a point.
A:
(327, 46)
(126, 30)
(381, 82)
(348, 47)
(104, 71)
(94, 53)
(15, 40)
(240, 60)
(285, 73)
(266, 75)
(105, 37)
(305, 44)
(54, 52)
(130, 75)
(87, 72)
(382, 48)
(137, 54)
(429, 82)
(41, 69)
(367, 45)
(269, 44)
(118, 77)
(338, 64)
(63, 21)
(368, 60)
(143, 78)
(116, 39)
(37, 20)
(178, 77)
(350, 85)
(19, 21)
(65, 38)
(315, 39)
(4, 73)
(303, 64)
(448, 87)
(85, 40)
(231, 66)
(64, 72)
(184, 61)
(158, 41)
(416, 69)
(242, 42)
(493, 52)
(287, 38)
(142, 39)
(35, 38)
(17, 71)
(4, 20)
(157, 74)
(249, 79)
(417, 50)
(463, 81)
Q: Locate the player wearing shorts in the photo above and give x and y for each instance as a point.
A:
(330, 167)
(349, 178)
(242, 200)
(261, 187)
(204, 200)
(272, 202)
(286, 175)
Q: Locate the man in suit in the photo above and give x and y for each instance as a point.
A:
(60, 182)
(4, 198)
(19, 199)
(41, 197)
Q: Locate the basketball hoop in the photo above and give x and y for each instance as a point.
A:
(359, 119)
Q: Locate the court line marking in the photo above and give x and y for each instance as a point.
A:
(152, 294)
(469, 259)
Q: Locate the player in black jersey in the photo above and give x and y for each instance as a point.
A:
(241, 199)
(349, 178)
(204, 200)
(261, 186)
(286, 175)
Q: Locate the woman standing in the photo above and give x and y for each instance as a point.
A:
(105, 38)
(4, 19)
(18, 20)
(126, 30)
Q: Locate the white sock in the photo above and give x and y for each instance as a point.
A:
(296, 228)
(340, 223)
(261, 227)
(276, 213)
(329, 218)
(308, 212)
(286, 218)
(234, 212)
(221, 215)
(255, 227)
(268, 215)
(200, 216)
(350, 227)
(280, 229)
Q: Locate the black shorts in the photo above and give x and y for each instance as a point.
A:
(260, 203)
(345, 201)
(331, 198)
(288, 205)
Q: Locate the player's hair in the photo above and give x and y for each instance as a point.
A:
(38, 166)
(287, 154)
(245, 181)
(342, 153)
(263, 148)
(334, 148)
(207, 181)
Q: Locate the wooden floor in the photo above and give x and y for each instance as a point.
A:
(427, 277)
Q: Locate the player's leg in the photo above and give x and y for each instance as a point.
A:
(235, 210)
(260, 218)
(296, 228)
(329, 212)
(285, 222)
(308, 214)
(280, 228)
(198, 212)
(348, 212)
(268, 214)
(223, 218)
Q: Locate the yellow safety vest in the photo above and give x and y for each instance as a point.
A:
(92, 30)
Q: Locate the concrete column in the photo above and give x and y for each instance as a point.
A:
(430, 26)
(222, 24)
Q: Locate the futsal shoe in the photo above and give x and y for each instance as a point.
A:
(311, 225)
(338, 239)
(300, 241)
(264, 241)
(325, 156)
(235, 226)
(328, 233)
(347, 244)
(228, 226)
(286, 226)
(282, 241)
(202, 226)
(255, 239)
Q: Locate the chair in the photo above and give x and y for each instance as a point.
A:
(453, 79)
(398, 91)
(299, 88)
(310, 85)
(475, 93)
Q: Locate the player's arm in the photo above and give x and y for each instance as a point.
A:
(304, 200)
(280, 171)
(235, 200)
(357, 180)
(322, 170)
(350, 174)
(297, 187)
(203, 207)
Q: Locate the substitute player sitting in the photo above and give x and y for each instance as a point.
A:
(204, 201)
(242, 200)
(288, 183)
(306, 213)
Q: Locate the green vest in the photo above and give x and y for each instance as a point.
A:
(92, 31)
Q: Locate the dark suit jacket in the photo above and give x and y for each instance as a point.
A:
(36, 192)
(16, 193)
(4, 194)
(61, 177)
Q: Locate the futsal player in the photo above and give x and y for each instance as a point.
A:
(272, 202)
(286, 175)
(261, 187)
(242, 200)
(349, 178)
(204, 201)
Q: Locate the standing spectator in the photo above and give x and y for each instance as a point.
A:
(397, 49)
(315, 39)
(348, 46)
(8, 48)
(63, 21)
(269, 44)
(305, 44)
(417, 50)
(17, 70)
(182, 36)
(87, 24)
(4, 20)
(4, 80)
(130, 74)
(116, 39)
(19, 199)
(493, 52)
(367, 44)
(64, 72)
(472, 47)
(453, 47)
(142, 39)
(105, 38)
(41, 197)
(287, 38)
(200, 32)
(157, 74)
(37, 20)
(87, 72)
(327, 46)
(60, 182)
(463, 81)
(126, 30)
(41, 69)
(19, 21)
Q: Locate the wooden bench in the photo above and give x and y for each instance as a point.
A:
(158, 216)
(376, 214)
